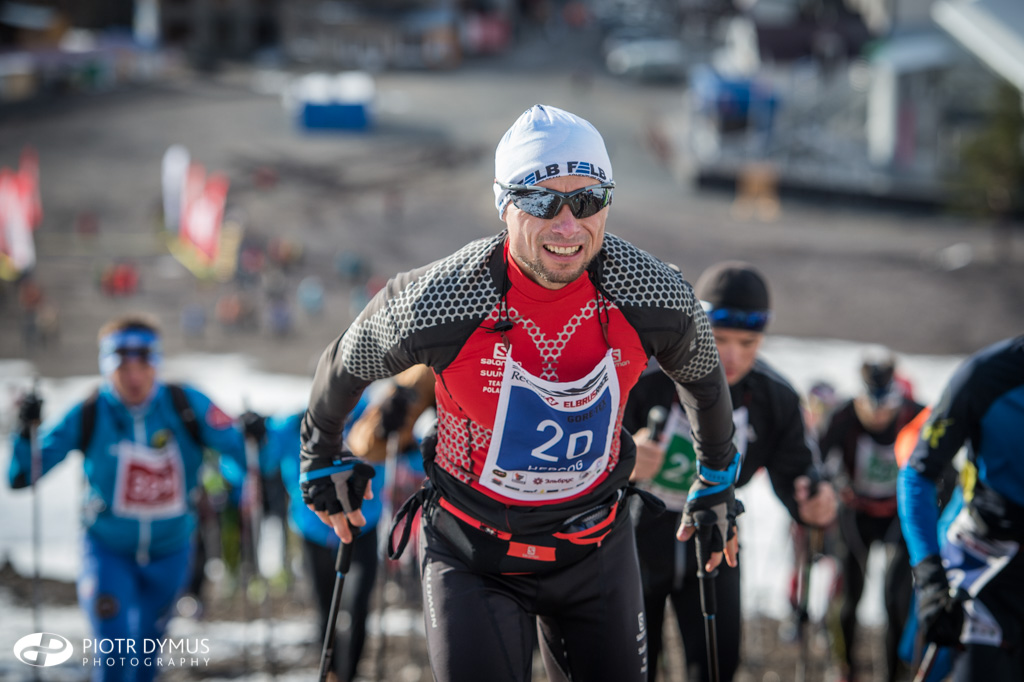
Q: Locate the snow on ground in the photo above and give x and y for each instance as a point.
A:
(236, 383)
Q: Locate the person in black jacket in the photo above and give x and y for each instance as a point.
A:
(859, 448)
(769, 433)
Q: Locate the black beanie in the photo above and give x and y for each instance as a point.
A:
(734, 285)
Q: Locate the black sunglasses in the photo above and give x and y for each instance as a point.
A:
(541, 202)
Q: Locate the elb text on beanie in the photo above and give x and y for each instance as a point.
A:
(548, 142)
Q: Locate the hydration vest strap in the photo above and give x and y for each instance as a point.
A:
(403, 520)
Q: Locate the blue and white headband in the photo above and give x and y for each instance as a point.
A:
(544, 143)
(120, 345)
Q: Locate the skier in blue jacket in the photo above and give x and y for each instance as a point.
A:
(970, 586)
(142, 442)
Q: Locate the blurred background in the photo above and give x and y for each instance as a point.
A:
(252, 171)
(866, 155)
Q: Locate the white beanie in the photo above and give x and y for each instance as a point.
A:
(547, 142)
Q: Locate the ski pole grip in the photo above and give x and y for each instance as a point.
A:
(656, 419)
(814, 480)
(705, 522)
(344, 559)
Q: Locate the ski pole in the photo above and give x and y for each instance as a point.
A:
(255, 575)
(705, 521)
(927, 662)
(384, 526)
(814, 540)
(249, 532)
(36, 472)
(341, 566)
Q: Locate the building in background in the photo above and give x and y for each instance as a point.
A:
(891, 110)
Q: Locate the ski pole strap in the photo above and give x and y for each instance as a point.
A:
(338, 467)
(720, 477)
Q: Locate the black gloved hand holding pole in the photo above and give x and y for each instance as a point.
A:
(254, 425)
(939, 611)
(30, 413)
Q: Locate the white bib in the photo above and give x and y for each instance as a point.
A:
(150, 483)
(877, 469)
(551, 439)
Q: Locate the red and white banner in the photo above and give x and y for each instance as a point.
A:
(20, 213)
(203, 211)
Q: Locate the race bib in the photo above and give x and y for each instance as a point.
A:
(971, 560)
(743, 435)
(672, 482)
(877, 470)
(551, 439)
(150, 483)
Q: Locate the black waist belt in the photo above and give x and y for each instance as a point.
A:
(488, 549)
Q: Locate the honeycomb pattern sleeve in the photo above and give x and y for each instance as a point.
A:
(664, 310)
(420, 316)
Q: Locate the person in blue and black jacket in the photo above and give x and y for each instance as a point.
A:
(971, 592)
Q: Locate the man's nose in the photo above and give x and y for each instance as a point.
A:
(564, 220)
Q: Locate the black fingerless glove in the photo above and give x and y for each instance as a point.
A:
(711, 507)
(336, 485)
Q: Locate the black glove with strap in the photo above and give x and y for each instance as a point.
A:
(939, 613)
(30, 413)
(336, 485)
(711, 507)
